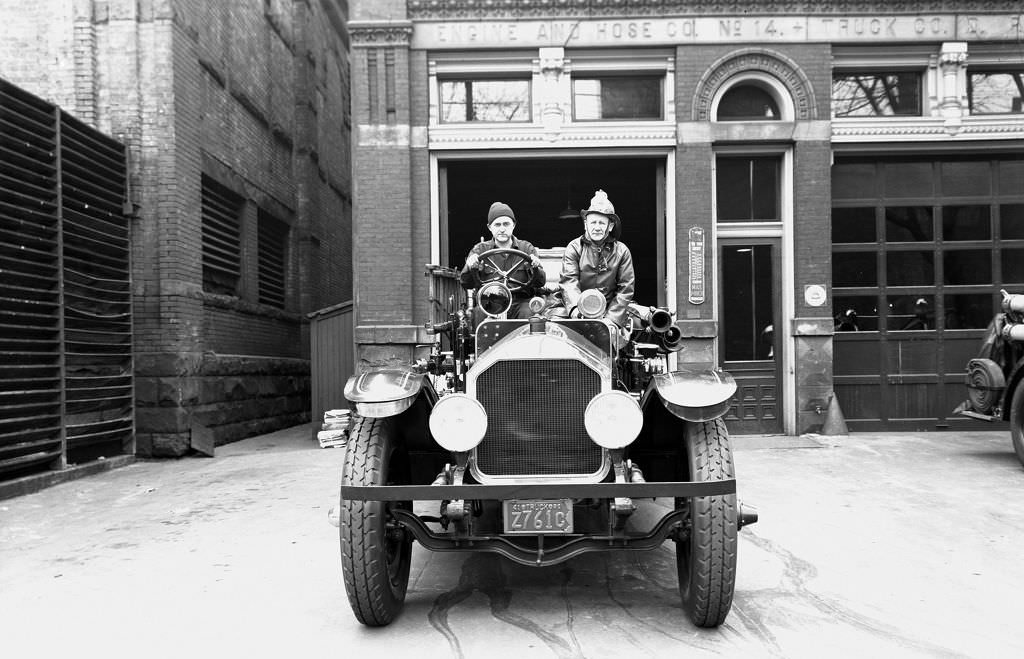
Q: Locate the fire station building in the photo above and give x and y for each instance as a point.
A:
(828, 196)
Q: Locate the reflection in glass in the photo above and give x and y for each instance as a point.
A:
(747, 326)
(876, 94)
(1013, 265)
(747, 102)
(1011, 221)
(966, 223)
(747, 188)
(853, 180)
(968, 311)
(904, 179)
(995, 92)
(966, 178)
(910, 268)
(908, 224)
(854, 269)
(971, 266)
(855, 313)
(911, 312)
(1011, 177)
(485, 100)
(853, 225)
(616, 97)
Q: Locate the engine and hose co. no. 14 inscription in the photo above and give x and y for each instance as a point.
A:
(669, 31)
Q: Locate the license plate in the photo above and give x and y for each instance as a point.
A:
(538, 516)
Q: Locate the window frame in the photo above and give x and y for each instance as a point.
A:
(659, 77)
(921, 73)
(983, 69)
(942, 249)
(469, 81)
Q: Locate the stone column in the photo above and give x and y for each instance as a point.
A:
(953, 65)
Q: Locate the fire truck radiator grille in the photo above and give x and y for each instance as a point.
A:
(535, 418)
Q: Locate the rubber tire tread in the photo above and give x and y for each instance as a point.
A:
(708, 579)
(374, 599)
(1017, 421)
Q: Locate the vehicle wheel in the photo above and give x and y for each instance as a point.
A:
(375, 550)
(1017, 421)
(706, 559)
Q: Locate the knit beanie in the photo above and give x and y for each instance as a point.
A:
(499, 209)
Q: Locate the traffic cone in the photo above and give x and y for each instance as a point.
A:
(834, 423)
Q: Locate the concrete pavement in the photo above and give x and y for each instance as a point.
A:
(896, 544)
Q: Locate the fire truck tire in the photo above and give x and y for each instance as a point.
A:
(706, 559)
(375, 550)
(1017, 421)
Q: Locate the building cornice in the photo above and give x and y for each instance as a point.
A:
(926, 129)
(517, 9)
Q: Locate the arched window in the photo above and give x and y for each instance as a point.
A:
(748, 102)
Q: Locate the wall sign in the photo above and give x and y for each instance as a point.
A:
(814, 295)
(696, 261)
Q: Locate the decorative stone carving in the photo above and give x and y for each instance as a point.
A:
(373, 33)
(510, 9)
(756, 59)
(550, 92)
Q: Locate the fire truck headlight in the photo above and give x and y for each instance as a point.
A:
(458, 422)
(613, 419)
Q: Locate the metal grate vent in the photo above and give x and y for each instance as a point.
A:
(273, 244)
(222, 253)
(66, 387)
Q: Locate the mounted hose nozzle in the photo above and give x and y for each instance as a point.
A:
(671, 339)
(1012, 302)
(658, 321)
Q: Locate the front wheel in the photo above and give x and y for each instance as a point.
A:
(1017, 421)
(375, 550)
(706, 556)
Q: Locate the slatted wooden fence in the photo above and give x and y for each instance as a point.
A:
(66, 384)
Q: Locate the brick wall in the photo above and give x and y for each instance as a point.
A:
(254, 94)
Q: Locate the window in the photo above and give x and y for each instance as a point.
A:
(485, 100)
(221, 209)
(617, 97)
(747, 103)
(876, 94)
(923, 245)
(272, 246)
(748, 188)
(995, 92)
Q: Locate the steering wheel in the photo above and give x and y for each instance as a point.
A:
(504, 275)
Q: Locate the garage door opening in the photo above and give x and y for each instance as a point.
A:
(541, 190)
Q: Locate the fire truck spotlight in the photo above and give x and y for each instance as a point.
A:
(458, 422)
(613, 419)
(591, 303)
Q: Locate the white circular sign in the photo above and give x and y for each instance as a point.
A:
(814, 295)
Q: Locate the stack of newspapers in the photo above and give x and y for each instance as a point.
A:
(334, 430)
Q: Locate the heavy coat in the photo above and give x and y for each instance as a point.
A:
(608, 268)
(470, 277)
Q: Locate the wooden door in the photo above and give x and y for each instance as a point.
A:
(749, 344)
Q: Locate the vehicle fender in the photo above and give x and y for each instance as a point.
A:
(388, 391)
(694, 394)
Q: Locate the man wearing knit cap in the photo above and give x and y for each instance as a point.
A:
(501, 222)
(598, 259)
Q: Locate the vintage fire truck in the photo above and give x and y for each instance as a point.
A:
(537, 439)
(995, 379)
